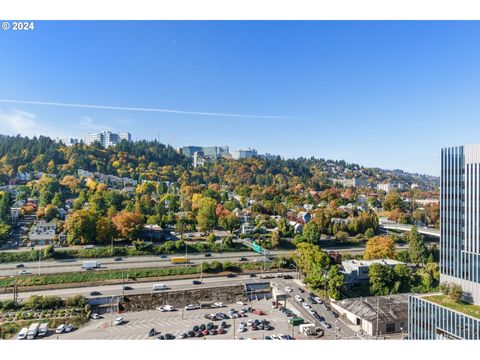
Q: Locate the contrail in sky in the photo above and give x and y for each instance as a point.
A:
(171, 111)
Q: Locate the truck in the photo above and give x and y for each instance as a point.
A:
(179, 260)
(90, 265)
(32, 331)
(43, 330)
(295, 321)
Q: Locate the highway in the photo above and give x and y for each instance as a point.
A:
(138, 288)
(150, 261)
(133, 262)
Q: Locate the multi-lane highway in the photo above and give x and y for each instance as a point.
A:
(138, 288)
(133, 262)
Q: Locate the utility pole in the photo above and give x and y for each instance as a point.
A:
(123, 284)
(378, 308)
(186, 255)
(39, 255)
(201, 270)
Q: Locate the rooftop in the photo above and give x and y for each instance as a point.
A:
(389, 308)
(465, 308)
(350, 265)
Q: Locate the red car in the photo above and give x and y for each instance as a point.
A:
(258, 312)
(221, 331)
(205, 332)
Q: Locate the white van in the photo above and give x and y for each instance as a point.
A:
(43, 330)
(159, 287)
(118, 321)
(22, 335)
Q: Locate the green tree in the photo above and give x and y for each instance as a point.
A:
(341, 236)
(381, 279)
(4, 231)
(369, 233)
(404, 278)
(392, 201)
(211, 238)
(312, 262)
(417, 251)
(312, 232)
(81, 227)
(206, 217)
(335, 280)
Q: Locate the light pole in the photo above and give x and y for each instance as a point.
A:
(186, 255)
(123, 283)
(39, 257)
(401, 329)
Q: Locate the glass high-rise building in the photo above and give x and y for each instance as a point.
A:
(433, 316)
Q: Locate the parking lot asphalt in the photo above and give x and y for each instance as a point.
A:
(137, 324)
(339, 329)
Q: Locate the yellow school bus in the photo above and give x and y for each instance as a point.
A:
(179, 260)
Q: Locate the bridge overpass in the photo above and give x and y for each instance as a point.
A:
(405, 227)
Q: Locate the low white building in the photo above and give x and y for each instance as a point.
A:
(356, 271)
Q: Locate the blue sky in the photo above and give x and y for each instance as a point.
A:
(386, 94)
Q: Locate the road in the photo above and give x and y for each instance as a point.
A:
(138, 288)
(133, 262)
(151, 261)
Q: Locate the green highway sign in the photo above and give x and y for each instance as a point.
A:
(256, 248)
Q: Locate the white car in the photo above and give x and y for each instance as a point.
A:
(306, 306)
(312, 312)
(318, 300)
(69, 328)
(22, 335)
(282, 337)
(298, 298)
(60, 329)
(191, 307)
(218, 304)
(118, 321)
(24, 272)
(96, 316)
(241, 303)
(274, 337)
(288, 289)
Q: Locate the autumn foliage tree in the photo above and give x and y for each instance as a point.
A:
(380, 247)
(128, 224)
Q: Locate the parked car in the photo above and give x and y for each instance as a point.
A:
(301, 290)
(169, 336)
(152, 332)
(69, 328)
(318, 300)
(288, 289)
(298, 298)
(96, 316)
(191, 307)
(118, 321)
(60, 329)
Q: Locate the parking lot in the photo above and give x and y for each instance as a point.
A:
(137, 325)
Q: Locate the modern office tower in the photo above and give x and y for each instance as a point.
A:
(434, 316)
(107, 138)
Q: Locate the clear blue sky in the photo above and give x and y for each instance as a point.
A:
(386, 94)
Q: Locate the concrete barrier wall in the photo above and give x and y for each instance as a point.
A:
(180, 298)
